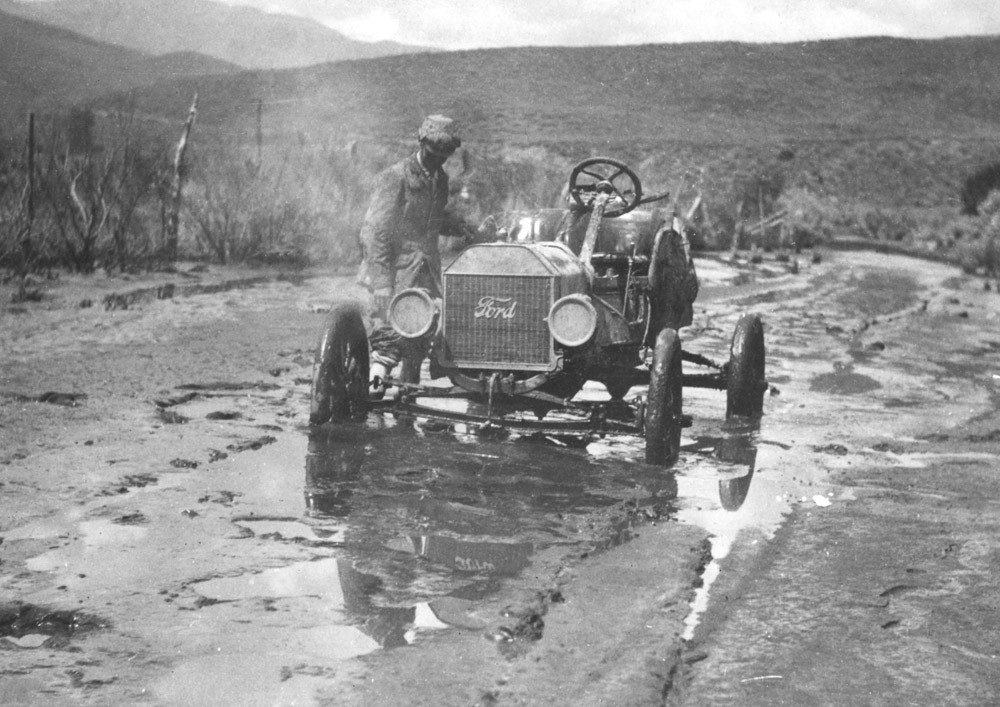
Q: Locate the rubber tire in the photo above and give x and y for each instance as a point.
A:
(340, 368)
(746, 383)
(664, 401)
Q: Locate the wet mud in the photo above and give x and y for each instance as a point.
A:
(31, 626)
(236, 556)
(873, 595)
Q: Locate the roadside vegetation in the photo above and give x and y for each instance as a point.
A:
(100, 194)
(766, 146)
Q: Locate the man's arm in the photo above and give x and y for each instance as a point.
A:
(378, 230)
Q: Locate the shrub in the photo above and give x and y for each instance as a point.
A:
(977, 187)
(880, 224)
(297, 205)
(810, 219)
(89, 194)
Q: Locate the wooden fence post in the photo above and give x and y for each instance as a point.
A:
(260, 130)
(31, 170)
(177, 185)
(24, 237)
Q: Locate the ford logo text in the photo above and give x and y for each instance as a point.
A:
(495, 308)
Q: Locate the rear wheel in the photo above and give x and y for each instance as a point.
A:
(340, 370)
(746, 383)
(663, 401)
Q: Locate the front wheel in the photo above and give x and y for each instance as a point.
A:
(746, 384)
(663, 401)
(340, 369)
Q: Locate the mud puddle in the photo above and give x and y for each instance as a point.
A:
(314, 579)
(29, 626)
(401, 534)
(432, 515)
(293, 531)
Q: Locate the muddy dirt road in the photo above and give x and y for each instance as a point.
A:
(174, 533)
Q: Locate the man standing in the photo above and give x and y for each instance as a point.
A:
(399, 241)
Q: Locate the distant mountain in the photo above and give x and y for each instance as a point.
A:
(240, 35)
(44, 67)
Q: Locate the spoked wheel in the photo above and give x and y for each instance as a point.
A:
(663, 401)
(746, 383)
(340, 370)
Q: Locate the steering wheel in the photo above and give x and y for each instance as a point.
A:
(605, 175)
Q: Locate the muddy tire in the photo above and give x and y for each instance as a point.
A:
(746, 383)
(340, 368)
(663, 401)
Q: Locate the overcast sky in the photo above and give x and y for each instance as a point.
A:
(469, 24)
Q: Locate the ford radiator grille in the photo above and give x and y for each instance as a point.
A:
(498, 321)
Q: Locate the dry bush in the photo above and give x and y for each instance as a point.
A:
(13, 214)
(970, 241)
(981, 253)
(887, 225)
(298, 201)
(26, 233)
(977, 187)
(89, 185)
(741, 188)
(299, 204)
(307, 204)
(811, 219)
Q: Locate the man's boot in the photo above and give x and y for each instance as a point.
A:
(410, 372)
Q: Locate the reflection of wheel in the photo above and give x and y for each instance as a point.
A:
(663, 401)
(739, 450)
(618, 387)
(605, 174)
(733, 492)
(746, 383)
(340, 371)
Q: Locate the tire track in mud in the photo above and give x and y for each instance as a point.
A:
(788, 613)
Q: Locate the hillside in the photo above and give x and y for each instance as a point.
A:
(655, 94)
(241, 35)
(888, 120)
(43, 67)
(876, 122)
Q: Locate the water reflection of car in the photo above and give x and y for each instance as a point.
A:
(462, 555)
(560, 298)
(432, 523)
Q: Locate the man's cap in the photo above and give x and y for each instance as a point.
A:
(439, 133)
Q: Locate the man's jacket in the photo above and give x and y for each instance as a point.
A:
(399, 237)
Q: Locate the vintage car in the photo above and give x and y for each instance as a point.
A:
(553, 300)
